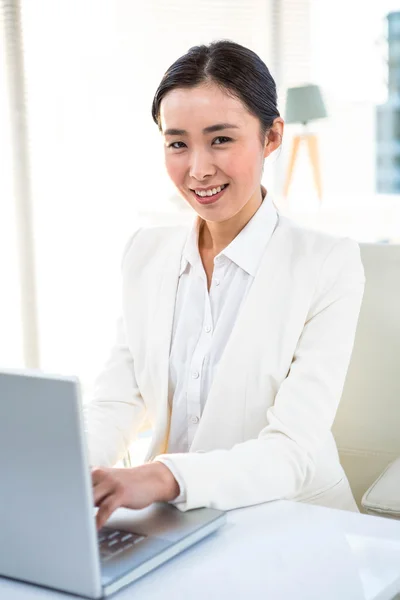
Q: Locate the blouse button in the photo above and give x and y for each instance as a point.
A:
(195, 374)
(216, 281)
(195, 420)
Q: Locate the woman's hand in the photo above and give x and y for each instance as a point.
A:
(131, 488)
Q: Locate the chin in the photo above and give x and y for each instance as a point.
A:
(216, 217)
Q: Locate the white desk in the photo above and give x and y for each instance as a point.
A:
(261, 544)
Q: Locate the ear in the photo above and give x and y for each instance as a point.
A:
(274, 136)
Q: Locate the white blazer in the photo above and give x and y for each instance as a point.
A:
(265, 432)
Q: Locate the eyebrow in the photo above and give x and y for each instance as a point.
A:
(210, 129)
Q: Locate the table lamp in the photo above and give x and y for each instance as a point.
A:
(304, 104)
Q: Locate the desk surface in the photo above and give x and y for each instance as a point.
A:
(278, 550)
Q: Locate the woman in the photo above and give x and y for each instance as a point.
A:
(235, 336)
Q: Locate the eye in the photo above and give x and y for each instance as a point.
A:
(221, 139)
(176, 145)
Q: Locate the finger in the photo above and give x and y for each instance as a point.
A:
(102, 490)
(98, 475)
(107, 507)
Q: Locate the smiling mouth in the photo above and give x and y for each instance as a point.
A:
(210, 197)
(211, 192)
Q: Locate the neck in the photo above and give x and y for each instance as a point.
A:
(214, 237)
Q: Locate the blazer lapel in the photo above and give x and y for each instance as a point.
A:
(226, 399)
(163, 305)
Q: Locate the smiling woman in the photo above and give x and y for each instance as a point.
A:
(236, 334)
(218, 129)
(205, 152)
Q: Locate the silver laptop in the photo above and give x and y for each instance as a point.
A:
(47, 527)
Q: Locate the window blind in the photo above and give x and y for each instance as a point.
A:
(18, 308)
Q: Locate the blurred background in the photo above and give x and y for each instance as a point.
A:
(81, 161)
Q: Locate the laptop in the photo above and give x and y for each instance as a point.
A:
(48, 533)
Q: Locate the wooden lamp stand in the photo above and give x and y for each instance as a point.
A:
(312, 145)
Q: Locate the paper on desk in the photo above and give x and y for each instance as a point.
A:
(378, 561)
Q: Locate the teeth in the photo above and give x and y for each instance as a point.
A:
(203, 193)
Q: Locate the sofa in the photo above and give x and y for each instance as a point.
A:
(367, 425)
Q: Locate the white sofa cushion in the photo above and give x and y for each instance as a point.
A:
(383, 496)
(366, 427)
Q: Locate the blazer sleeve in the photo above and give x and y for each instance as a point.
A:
(281, 461)
(116, 411)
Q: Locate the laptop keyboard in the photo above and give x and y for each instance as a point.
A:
(113, 542)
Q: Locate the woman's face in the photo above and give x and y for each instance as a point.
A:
(212, 146)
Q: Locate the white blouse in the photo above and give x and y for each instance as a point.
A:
(204, 319)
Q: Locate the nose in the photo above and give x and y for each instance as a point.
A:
(201, 165)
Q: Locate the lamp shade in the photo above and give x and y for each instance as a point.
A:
(303, 104)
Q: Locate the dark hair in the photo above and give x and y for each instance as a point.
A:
(232, 67)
